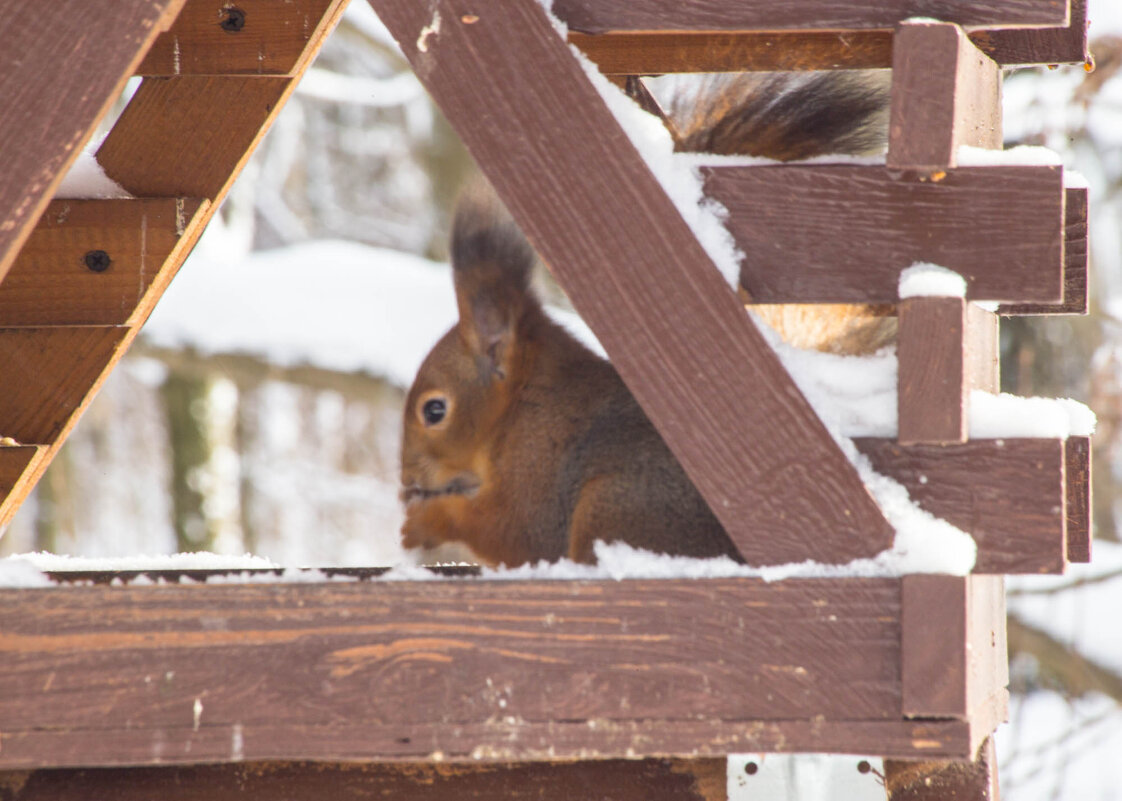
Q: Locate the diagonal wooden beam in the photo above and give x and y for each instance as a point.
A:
(635, 271)
(61, 66)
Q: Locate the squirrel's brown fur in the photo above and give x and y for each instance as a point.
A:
(524, 445)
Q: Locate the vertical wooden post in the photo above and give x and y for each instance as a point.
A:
(943, 781)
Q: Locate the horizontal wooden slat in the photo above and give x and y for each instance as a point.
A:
(53, 283)
(616, 779)
(469, 669)
(1076, 262)
(597, 16)
(61, 66)
(674, 329)
(843, 234)
(249, 37)
(1008, 494)
(1065, 44)
(953, 643)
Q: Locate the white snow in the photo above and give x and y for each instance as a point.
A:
(201, 560)
(1007, 416)
(930, 280)
(86, 179)
(1023, 156)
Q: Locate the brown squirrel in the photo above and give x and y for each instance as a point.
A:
(523, 444)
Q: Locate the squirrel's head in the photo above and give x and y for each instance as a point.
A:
(467, 384)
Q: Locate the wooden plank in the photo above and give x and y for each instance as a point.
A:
(842, 233)
(674, 328)
(952, 643)
(48, 375)
(1008, 494)
(1064, 44)
(933, 392)
(940, 781)
(250, 37)
(656, 53)
(945, 94)
(61, 66)
(611, 780)
(61, 276)
(1076, 262)
(1077, 474)
(472, 669)
(599, 16)
(16, 465)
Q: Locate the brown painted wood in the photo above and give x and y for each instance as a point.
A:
(933, 391)
(606, 780)
(842, 233)
(952, 642)
(16, 465)
(945, 93)
(1076, 262)
(1008, 494)
(48, 375)
(1077, 474)
(598, 16)
(51, 283)
(249, 37)
(610, 780)
(61, 66)
(674, 329)
(655, 53)
(944, 781)
(1059, 45)
(472, 669)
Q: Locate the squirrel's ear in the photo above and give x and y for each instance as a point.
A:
(491, 267)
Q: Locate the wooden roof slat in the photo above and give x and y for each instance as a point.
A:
(51, 283)
(400, 670)
(599, 16)
(1077, 263)
(17, 464)
(250, 37)
(675, 330)
(843, 233)
(61, 66)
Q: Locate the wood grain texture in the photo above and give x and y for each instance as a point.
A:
(673, 327)
(1077, 475)
(933, 391)
(481, 670)
(606, 780)
(51, 284)
(272, 39)
(1008, 494)
(1076, 262)
(48, 376)
(1064, 44)
(843, 234)
(945, 94)
(944, 781)
(16, 465)
(953, 643)
(61, 66)
(656, 53)
(598, 16)
(983, 350)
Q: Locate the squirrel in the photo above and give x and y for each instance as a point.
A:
(521, 443)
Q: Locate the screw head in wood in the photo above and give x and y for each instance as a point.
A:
(98, 260)
(751, 768)
(233, 19)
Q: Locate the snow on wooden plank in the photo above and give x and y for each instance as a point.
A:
(1010, 495)
(598, 16)
(844, 233)
(469, 669)
(945, 93)
(91, 262)
(617, 779)
(250, 37)
(637, 274)
(61, 66)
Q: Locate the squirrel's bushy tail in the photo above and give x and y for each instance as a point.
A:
(783, 116)
(485, 237)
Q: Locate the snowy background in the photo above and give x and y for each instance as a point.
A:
(260, 409)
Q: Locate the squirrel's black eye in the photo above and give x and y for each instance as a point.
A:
(434, 410)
